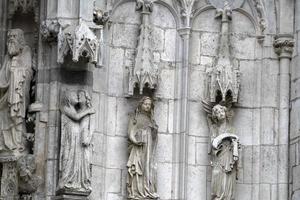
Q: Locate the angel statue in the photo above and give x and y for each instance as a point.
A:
(224, 145)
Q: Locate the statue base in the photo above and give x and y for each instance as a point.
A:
(69, 194)
(70, 197)
(9, 179)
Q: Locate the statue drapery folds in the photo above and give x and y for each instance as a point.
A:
(15, 77)
(224, 145)
(74, 165)
(141, 165)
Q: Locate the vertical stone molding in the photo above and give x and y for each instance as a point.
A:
(143, 74)
(141, 165)
(283, 46)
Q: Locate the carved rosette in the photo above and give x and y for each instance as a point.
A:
(223, 77)
(80, 41)
(283, 46)
(143, 74)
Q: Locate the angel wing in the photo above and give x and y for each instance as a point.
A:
(207, 107)
(228, 104)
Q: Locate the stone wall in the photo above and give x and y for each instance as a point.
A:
(185, 42)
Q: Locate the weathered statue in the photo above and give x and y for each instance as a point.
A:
(224, 152)
(15, 77)
(74, 164)
(142, 135)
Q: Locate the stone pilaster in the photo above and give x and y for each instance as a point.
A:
(283, 46)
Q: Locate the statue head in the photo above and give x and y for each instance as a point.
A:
(146, 104)
(70, 97)
(15, 42)
(219, 112)
(84, 97)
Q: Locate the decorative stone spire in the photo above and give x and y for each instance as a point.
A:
(223, 77)
(143, 74)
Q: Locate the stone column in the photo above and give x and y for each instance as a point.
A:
(184, 74)
(283, 45)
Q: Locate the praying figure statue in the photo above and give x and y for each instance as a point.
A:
(75, 152)
(224, 152)
(141, 165)
(15, 78)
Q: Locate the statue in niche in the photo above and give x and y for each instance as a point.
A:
(142, 135)
(223, 148)
(15, 77)
(74, 164)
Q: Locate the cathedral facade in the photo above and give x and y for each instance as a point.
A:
(149, 99)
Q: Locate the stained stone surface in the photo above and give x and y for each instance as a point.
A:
(184, 42)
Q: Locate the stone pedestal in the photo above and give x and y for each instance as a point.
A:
(67, 194)
(9, 179)
(70, 197)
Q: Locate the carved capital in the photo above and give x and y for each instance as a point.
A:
(100, 17)
(49, 30)
(284, 46)
(146, 6)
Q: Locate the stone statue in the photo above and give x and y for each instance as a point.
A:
(15, 77)
(142, 135)
(74, 164)
(28, 180)
(224, 152)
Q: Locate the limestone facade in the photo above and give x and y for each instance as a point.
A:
(116, 52)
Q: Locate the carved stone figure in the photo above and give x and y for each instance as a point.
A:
(28, 181)
(224, 152)
(74, 164)
(142, 135)
(15, 77)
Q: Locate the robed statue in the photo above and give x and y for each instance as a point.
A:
(75, 151)
(141, 165)
(223, 148)
(15, 77)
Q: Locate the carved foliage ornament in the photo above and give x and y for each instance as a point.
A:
(143, 74)
(284, 46)
(80, 41)
(100, 17)
(50, 30)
